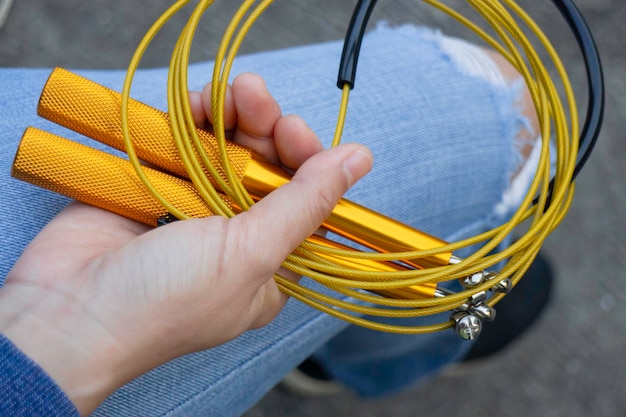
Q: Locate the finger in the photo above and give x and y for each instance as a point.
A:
(197, 109)
(230, 113)
(295, 142)
(273, 228)
(257, 114)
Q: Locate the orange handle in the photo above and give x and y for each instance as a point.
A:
(93, 110)
(100, 179)
(109, 182)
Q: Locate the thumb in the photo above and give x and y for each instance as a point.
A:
(282, 220)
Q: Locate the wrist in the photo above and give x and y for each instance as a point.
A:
(64, 341)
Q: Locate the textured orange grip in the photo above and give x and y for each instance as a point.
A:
(100, 179)
(94, 111)
(109, 182)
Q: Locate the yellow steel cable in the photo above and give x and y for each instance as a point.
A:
(220, 82)
(181, 134)
(124, 108)
(315, 261)
(341, 118)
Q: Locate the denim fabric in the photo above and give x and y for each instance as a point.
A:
(443, 146)
(26, 389)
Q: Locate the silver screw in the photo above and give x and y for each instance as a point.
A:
(503, 286)
(468, 327)
(473, 280)
(483, 312)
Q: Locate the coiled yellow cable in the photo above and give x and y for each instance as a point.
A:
(540, 219)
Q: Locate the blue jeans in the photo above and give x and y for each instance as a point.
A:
(443, 139)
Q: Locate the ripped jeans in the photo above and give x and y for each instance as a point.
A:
(442, 126)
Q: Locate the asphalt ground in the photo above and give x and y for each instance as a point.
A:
(572, 362)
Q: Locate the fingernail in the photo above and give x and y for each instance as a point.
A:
(357, 165)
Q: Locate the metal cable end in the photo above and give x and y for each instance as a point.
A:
(474, 280)
(503, 286)
(483, 312)
(466, 325)
(468, 319)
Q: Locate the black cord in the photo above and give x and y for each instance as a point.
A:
(595, 80)
(352, 43)
(595, 77)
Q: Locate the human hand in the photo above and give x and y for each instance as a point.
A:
(97, 299)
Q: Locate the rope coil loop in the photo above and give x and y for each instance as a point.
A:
(365, 287)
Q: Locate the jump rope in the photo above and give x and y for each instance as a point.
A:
(197, 173)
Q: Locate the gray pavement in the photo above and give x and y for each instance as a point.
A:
(572, 363)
